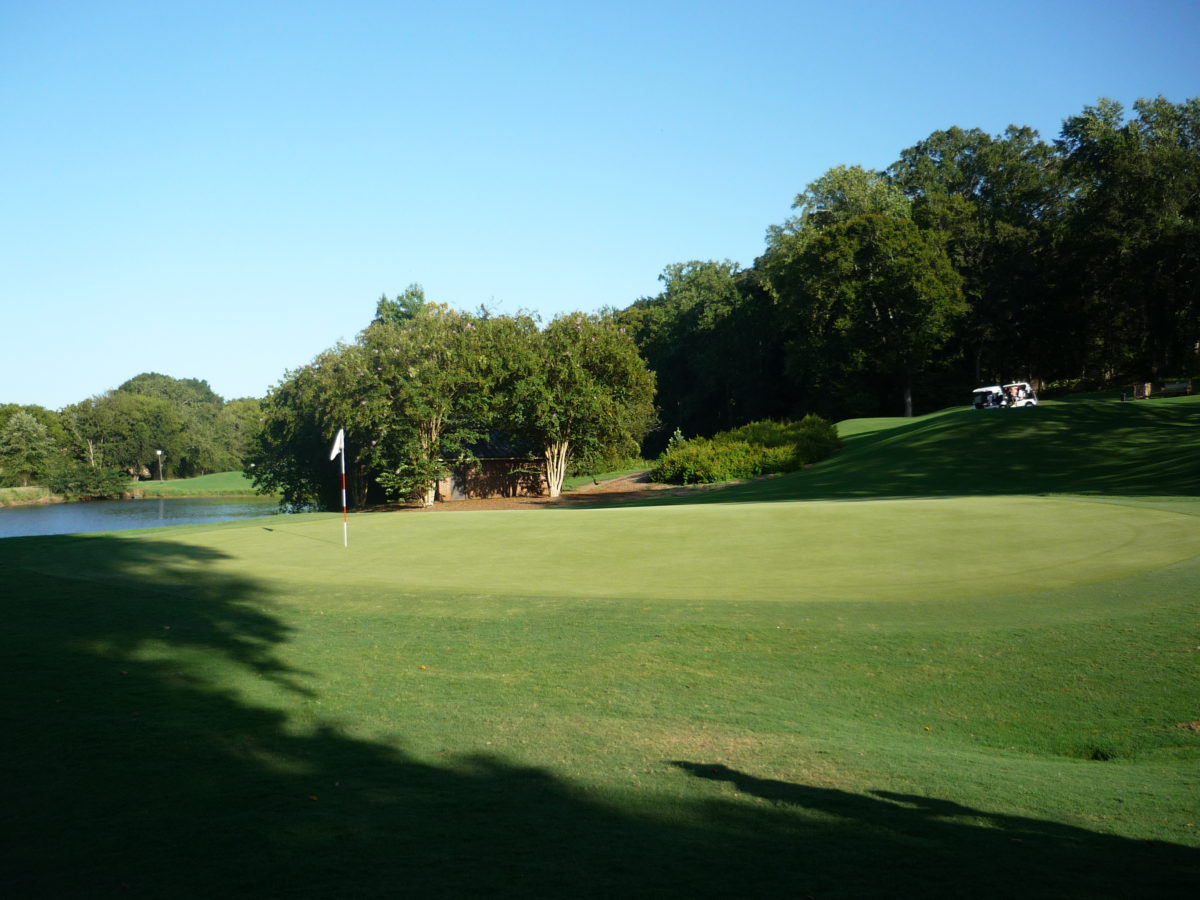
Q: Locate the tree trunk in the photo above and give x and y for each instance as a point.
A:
(556, 466)
(430, 434)
(908, 400)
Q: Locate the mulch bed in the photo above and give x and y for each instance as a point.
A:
(615, 490)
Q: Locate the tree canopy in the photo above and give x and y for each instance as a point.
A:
(425, 386)
(973, 258)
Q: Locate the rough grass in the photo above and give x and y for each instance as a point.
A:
(945, 695)
(20, 496)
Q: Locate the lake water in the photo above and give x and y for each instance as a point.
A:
(118, 515)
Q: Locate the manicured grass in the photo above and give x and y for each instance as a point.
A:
(944, 696)
(1100, 447)
(219, 484)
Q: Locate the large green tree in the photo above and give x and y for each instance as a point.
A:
(709, 339)
(583, 394)
(299, 417)
(425, 386)
(1131, 247)
(25, 449)
(992, 203)
(883, 292)
(125, 431)
(204, 446)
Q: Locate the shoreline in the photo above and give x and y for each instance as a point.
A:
(48, 499)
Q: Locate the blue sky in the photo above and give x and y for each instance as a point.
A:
(222, 190)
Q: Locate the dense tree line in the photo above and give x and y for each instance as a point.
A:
(972, 259)
(424, 387)
(96, 446)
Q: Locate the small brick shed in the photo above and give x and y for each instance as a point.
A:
(495, 477)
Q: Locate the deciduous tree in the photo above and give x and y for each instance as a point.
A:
(25, 449)
(584, 393)
(886, 291)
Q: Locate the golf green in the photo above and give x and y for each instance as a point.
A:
(910, 550)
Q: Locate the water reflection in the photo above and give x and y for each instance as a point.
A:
(119, 515)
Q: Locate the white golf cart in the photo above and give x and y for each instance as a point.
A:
(1017, 393)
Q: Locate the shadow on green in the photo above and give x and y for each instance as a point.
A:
(129, 773)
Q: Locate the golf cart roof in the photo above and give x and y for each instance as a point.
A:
(1020, 384)
(994, 389)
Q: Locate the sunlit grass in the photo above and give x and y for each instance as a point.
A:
(218, 484)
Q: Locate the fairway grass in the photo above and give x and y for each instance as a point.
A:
(993, 695)
(218, 484)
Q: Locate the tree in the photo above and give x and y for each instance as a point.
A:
(25, 449)
(51, 421)
(814, 358)
(886, 292)
(992, 204)
(125, 431)
(289, 451)
(842, 193)
(709, 339)
(1131, 244)
(423, 385)
(203, 446)
(237, 423)
(412, 393)
(583, 393)
(404, 308)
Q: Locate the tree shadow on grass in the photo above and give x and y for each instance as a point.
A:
(132, 766)
(911, 845)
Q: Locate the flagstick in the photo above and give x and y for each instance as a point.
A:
(339, 446)
(345, 525)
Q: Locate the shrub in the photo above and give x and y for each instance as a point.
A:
(816, 439)
(765, 433)
(759, 448)
(704, 461)
(78, 480)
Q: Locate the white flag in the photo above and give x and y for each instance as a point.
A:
(339, 444)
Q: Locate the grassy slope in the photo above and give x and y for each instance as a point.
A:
(879, 697)
(1100, 447)
(219, 484)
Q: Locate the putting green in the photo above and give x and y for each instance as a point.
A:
(930, 549)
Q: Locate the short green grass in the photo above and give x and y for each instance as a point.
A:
(1099, 447)
(219, 484)
(881, 695)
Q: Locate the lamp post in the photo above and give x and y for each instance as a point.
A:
(159, 452)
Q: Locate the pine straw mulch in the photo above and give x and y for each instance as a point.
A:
(614, 490)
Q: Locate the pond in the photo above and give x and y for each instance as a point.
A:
(118, 515)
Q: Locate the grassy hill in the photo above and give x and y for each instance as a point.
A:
(985, 689)
(1089, 446)
(219, 484)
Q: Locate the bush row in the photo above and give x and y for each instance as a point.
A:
(759, 448)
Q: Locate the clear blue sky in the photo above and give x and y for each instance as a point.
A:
(222, 190)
